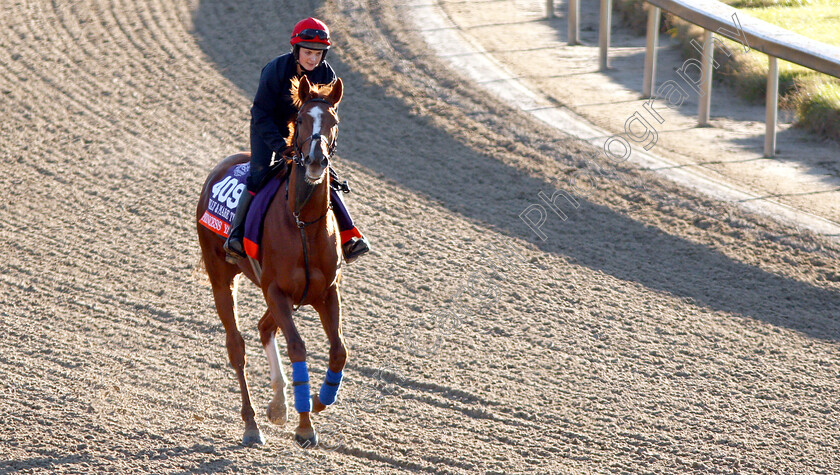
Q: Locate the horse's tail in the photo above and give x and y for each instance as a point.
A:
(199, 272)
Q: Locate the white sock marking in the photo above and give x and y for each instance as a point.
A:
(274, 362)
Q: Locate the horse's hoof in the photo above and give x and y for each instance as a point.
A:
(253, 437)
(277, 412)
(317, 405)
(307, 440)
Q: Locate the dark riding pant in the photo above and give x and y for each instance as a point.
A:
(261, 155)
(345, 222)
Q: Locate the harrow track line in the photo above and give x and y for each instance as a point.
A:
(107, 124)
(105, 294)
(139, 306)
(147, 92)
(128, 42)
(114, 327)
(31, 114)
(153, 37)
(84, 106)
(483, 412)
(114, 309)
(62, 244)
(202, 69)
(390, 460)
(179, 55)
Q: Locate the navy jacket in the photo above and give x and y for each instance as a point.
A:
(273, 107)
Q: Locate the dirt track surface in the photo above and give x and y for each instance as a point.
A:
(652, 330)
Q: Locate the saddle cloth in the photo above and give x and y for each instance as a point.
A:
(224, 198)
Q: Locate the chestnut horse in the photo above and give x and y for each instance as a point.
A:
(299, 263)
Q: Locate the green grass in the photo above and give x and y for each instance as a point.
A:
(767, 3)
(818, 108)
(815, 19)
(812, 95)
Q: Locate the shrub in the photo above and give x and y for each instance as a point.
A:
(633, 14)
(818, 107)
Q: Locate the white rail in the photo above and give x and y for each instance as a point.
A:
(717, 18)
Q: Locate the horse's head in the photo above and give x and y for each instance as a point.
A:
(316, 126)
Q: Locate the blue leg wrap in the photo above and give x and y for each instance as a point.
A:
(300, 382)
(332, 381)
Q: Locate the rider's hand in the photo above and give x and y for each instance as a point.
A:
(286, 151)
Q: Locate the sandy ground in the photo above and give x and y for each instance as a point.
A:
(652, 331)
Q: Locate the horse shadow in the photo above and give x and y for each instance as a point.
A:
(382, 133)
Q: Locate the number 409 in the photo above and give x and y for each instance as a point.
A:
(228, 190)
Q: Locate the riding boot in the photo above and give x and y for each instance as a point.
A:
(234, 246)
(354, 247)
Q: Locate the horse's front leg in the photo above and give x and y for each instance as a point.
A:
(280, 306)
(330, 313)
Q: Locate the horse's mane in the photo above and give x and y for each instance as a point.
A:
(291, 137)
(315, 90)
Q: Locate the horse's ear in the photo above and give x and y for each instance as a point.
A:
(337, 92)
(303, 89)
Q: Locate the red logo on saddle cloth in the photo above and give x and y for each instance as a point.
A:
(215, 224)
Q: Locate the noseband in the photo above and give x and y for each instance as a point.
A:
(299, 157)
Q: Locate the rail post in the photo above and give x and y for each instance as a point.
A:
(649, 85)
(604, 33)
(549, 9)
(574, 22)
(704, 105)
(772, 112)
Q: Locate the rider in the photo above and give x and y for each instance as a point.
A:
(270, 116)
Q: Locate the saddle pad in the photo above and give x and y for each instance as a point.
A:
(224, 197)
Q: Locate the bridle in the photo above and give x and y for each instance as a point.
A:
(299, 158)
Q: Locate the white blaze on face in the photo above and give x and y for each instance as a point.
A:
(315, 113)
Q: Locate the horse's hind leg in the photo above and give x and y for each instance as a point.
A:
(277, 410)
(224, 294)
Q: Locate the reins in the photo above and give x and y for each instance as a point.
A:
(302, 226)
(298, 160)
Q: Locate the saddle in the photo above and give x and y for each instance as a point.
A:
(224, 198)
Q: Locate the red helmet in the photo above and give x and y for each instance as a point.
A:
(311, 33)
